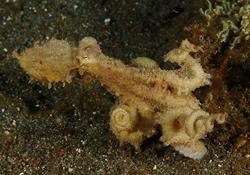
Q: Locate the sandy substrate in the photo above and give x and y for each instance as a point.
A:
(65, 130)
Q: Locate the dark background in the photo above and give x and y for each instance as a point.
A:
(66, 130)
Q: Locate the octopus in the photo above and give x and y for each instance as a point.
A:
(148, 97)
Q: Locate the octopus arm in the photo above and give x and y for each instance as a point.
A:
(128, 126)
(184, 127)
(191, 74)
(145, 62)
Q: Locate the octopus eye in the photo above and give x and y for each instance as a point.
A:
(176, 125)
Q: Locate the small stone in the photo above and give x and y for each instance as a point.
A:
(75, 7)
(240, 141)
(70, 170)
(155, 167)
(83, 142)
(107, 21)
(6, 132)
(14, 122)
(34, 10)
(9, 18)
(78, 150)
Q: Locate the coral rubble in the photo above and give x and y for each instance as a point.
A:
(233, 18)
(147, 96)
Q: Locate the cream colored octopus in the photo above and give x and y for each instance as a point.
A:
(147, 96)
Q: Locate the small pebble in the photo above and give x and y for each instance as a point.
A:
(78, 150)
(70, 170)
(83, 142)
(9, 18)
(6, 132)
(240, 141)
(107, 21)
(75, 7)
(14, 122)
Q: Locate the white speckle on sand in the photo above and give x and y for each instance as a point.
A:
(6, 132)
(107, 21)
(75, 7)
(70, 170)
(78, 150)
(14, 122)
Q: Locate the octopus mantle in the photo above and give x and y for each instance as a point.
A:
(147, 96)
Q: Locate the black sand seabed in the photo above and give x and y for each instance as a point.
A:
(65, 130)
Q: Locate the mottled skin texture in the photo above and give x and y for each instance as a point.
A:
(51, 62)
(154, 96)
(147, 96)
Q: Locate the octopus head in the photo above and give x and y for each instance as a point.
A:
(88, 51)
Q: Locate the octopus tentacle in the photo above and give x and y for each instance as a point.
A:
(195, 123)
(183, 127)
(191, 74)
(123, 118)
(123, 124)
(145, 62)
(172, 124)
(200, 122)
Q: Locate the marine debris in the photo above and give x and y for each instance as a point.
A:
(147, 96)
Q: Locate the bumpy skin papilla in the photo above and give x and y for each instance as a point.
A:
(49, 62)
